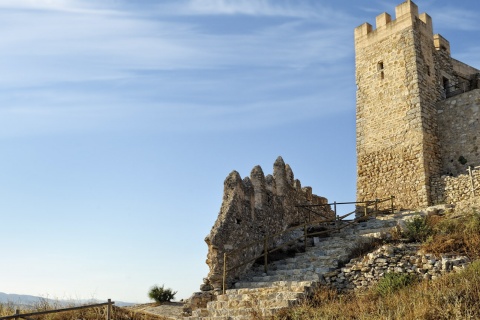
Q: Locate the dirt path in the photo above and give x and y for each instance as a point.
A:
(168, 310)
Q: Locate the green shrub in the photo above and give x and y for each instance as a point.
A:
(160, 294)
(418, 229)
(393, 282)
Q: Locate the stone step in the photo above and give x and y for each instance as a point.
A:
(294, 272)
(310, 276)
(289, 281)
(269, 283)
(252, 312)
(277, 286)
(283, 299)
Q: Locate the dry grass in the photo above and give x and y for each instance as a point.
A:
(455, 296)
(460, 235)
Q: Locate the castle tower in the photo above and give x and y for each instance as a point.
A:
(397, 77)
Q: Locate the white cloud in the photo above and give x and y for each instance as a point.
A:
(266, 8)
(44, 48)
(246, 7)
(68, 6)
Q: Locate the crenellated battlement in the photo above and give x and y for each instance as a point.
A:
(406, 15)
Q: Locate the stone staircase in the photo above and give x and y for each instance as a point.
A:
(289, 281)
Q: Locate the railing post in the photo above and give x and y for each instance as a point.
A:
(17, 311)
(471, 179)
(366, 209)
(265, 253)
(376, 207)
(391, 200)
(109, 309)
(305, 236)
(224, 271)
(335, 207)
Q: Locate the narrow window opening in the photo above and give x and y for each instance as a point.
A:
(446, 84)
(380, 66)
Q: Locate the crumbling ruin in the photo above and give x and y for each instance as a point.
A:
(253, 208)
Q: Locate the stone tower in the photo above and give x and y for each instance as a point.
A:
(399, 71)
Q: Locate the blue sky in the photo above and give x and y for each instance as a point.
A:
(120, 119)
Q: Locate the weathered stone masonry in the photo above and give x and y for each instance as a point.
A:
(252, 208)
(407, 133)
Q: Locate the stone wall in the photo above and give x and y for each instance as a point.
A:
(462, 190)
(459, 122)
(253, 208)
(362, 273)
(408, 135)
(397, 147)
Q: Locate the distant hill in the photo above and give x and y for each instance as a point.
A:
(23, 299)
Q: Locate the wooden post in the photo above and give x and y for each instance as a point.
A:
(224, 271)
(17, 312)
(366, 209)
(471, 179)
(265, 254)
(376, 207)
(305, 236)
(109, 309)
(336, 216)
(391, 199)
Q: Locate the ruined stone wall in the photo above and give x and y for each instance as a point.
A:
(459, 134)
(253, 208)
(362, 273)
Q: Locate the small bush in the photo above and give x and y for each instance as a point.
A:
(160, 294)
(393, 282)
(418, 229)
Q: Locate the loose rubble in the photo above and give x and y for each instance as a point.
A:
(361, 273)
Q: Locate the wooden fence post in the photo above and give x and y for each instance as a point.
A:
(391, 199)
(16, 312)
(109, 309)
(224, 271)
(305, 236)
(265, 253)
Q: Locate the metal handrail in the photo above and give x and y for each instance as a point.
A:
(305, 235)
(458, 88)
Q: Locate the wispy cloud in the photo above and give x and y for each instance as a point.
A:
(67, 6)
(67, 70)
(255, 8)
